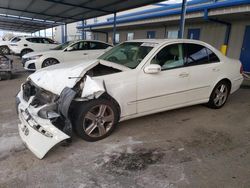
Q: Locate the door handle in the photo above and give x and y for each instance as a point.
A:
(85, 53)
(216, 69)
(183, 75)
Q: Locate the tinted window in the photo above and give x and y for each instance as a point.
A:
(97, 45)
(16, 39)
(196, 54)
(80, 46)
(48, 41)
(169, 57)
(35, 40)
(212, 57)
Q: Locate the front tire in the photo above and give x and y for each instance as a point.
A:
(49, 62)
(96, 119)
(219, 95)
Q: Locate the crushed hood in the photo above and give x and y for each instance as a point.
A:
(55, 78)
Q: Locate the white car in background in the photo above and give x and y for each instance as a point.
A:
(23, 45)
(4, 46)
(67, 52)
(133, 79)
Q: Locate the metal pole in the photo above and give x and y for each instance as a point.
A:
(182, 21)
(52, 31)
(82, 30)
(62, 33)
(45, 32)
(65, 27)
(39, 33)
(114, 28)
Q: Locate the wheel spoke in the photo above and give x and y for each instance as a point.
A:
(101, 129)
(216, 100)
(222, 89)
(90, 128)
(108, 118)
(220, 101)
(102, 110)
(90, 116)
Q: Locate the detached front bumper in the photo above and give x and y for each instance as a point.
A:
(38, 134)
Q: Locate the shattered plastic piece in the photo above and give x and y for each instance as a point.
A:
(92, 88)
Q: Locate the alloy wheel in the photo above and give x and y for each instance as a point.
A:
(98, 120)
(221, 94)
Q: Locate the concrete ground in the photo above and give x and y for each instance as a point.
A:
(189, 147)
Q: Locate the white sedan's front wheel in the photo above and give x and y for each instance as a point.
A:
(96, 119)
(219, 95)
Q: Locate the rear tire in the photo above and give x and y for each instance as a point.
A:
(49, 62)
(96, 119)
(219, 95)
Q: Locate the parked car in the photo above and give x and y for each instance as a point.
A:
(23, 45)
(6, 67)
(133, 79)
(69, 51)
(4, 46)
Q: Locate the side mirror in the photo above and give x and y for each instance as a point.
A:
(70, 48)
(152, 69)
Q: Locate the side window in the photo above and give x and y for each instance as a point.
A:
(75, 46)
(169, 57)
(195, 54)
(83, 46)
(212, 57)
(97, 46)
(45, 41)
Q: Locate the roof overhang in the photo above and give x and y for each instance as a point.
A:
(34, 15)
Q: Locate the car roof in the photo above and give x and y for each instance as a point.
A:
(164, 41)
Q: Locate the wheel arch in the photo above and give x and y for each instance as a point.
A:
(221, 80)
(109, 97)
(46, 58)
(26, 49)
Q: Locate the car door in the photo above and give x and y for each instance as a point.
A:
(38, 44)
(204, 69)
(76, 51)
(166, 89)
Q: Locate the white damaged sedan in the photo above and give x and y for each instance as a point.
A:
(133, 79)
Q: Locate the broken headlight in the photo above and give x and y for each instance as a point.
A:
(49, 112)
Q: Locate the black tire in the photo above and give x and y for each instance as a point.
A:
(219, 96)
(4, 50)
(93, 128)
(25, 51)
(49, 62)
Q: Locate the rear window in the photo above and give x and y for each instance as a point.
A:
(98, 45)
(16, 39)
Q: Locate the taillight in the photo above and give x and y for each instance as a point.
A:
(241, 69)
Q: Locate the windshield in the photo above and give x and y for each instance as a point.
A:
(128, 54)
(62, 46)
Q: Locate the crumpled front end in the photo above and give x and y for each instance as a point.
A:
(43, 122)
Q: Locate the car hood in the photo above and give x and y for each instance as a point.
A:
(31, 54)
(55, 78)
